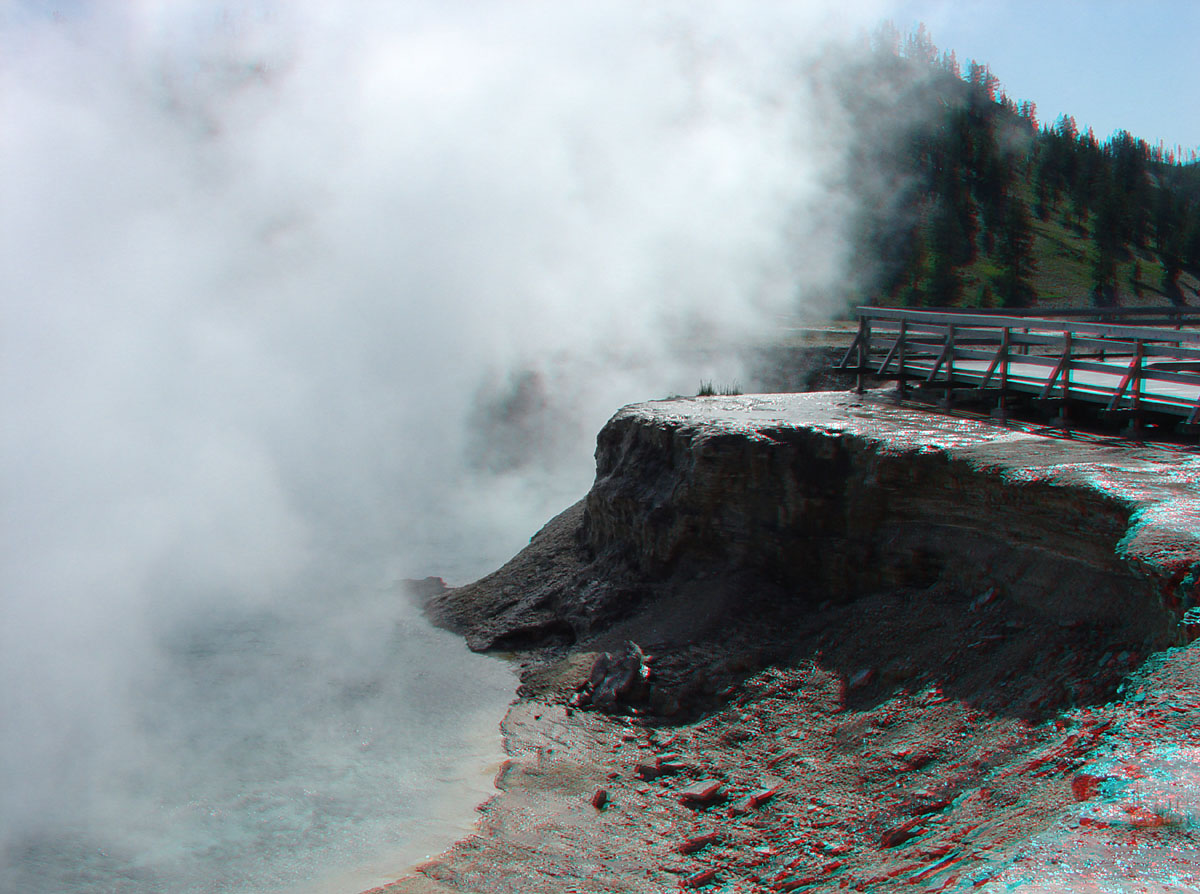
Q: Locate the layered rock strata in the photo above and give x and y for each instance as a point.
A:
(829, 496)
(887, 647)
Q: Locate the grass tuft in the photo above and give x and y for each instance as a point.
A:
(707, 390)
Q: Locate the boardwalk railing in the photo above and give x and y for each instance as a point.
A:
(1123, 368)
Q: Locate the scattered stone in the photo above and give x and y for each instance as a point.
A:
(931, 806)
(901, 833)
(697, 843)
(757, 797)
(1141, 818)
(912, 758)
(1085, 786)
(739, 808)
(699, 879)
(793, 882)
(600, 798)
(760, 796)
(662, 765)
(780, 758)
(704, 792)
(835, 849)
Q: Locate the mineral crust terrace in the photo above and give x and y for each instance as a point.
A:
(830, 496)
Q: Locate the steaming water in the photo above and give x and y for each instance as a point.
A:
(299, 298)
(254, 769)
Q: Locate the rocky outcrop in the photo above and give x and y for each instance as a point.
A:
(829, 496)
(859, 620)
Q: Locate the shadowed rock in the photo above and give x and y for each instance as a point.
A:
(617, 679)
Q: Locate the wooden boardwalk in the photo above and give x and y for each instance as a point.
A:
(1111, 359)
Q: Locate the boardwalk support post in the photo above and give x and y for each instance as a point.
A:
(946, 357)
(1000, 359)
(1061, 371)
(1132, 382)
(864, 353)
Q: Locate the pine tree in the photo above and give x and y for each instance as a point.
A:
(1015, 254)
(1132, 186)
(886, 39)
(1191, 240)
(945, 283)
(1172, 269)
(918, 46)
(1135, 278)
(1167, 221)
(1104, 279)
(1107, 239)
(950, 64)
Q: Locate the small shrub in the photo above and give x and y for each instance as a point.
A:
(707, 390)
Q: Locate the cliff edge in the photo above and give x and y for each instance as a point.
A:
(827, 497)
(874, 646)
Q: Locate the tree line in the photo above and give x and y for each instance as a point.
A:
(956, 202)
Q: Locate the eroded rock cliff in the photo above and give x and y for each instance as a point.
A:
(827, 497)
(898, 648)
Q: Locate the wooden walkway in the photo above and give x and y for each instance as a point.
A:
(1112, 359)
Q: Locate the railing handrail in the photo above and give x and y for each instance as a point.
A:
(1083, 358)
(1165, 310)
(957, 319)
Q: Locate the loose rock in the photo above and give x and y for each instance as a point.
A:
(901, 833)
(706, 791)
(699, 842)
(616, 679)
(700, 878)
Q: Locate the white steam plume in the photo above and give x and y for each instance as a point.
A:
(296, 289)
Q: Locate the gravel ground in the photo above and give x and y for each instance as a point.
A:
(842, 759)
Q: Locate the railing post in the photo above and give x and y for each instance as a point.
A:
(948, 401)
(1135, 399)
(1001, 411)
(1139, 352)
(1063, 417)
(901, 387)
(864, 353)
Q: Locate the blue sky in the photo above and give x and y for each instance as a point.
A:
(1113, 64)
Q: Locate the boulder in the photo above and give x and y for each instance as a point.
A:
(617, 679)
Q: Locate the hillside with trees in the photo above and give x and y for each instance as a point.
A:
(979, 204)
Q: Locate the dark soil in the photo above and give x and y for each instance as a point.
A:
(910, 736)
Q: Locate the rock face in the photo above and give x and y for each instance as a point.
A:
(860, 619)
(829, 496)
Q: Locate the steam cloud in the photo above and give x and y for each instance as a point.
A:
(307, 291)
